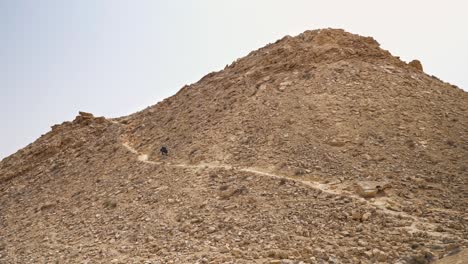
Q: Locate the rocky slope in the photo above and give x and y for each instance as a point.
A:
(269, 160)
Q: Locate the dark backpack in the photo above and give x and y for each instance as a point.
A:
(164, 151)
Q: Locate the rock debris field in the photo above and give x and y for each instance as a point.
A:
(318, 148)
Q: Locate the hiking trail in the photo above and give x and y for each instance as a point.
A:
(378, 204)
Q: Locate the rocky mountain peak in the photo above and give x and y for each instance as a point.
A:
(318, 148)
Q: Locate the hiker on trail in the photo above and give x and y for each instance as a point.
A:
(164, 151)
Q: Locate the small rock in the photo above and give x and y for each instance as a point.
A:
(362, 243)
(366, 216)
(211, 229)
(236, 252)
(336, 142)
(284, 85)
(224, 249)
(46, 206)
(379, 255)
(279, 254)
(85, 114)
(218, 237)
(416, 64)
(356, 216)
(420, 258)
(369, 189)
(368, 254)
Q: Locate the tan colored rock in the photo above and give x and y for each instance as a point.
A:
(279, 254)
(370, 189)
(85, 114)
(416, 64)
(379, 255)
(366, 216)
(336, 142)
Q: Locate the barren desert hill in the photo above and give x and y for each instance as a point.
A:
(320, 148)
(292, 103)
(326, 104)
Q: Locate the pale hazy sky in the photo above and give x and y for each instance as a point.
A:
(114, 57)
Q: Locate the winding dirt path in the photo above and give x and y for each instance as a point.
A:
(314, 185)
(379, 204)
